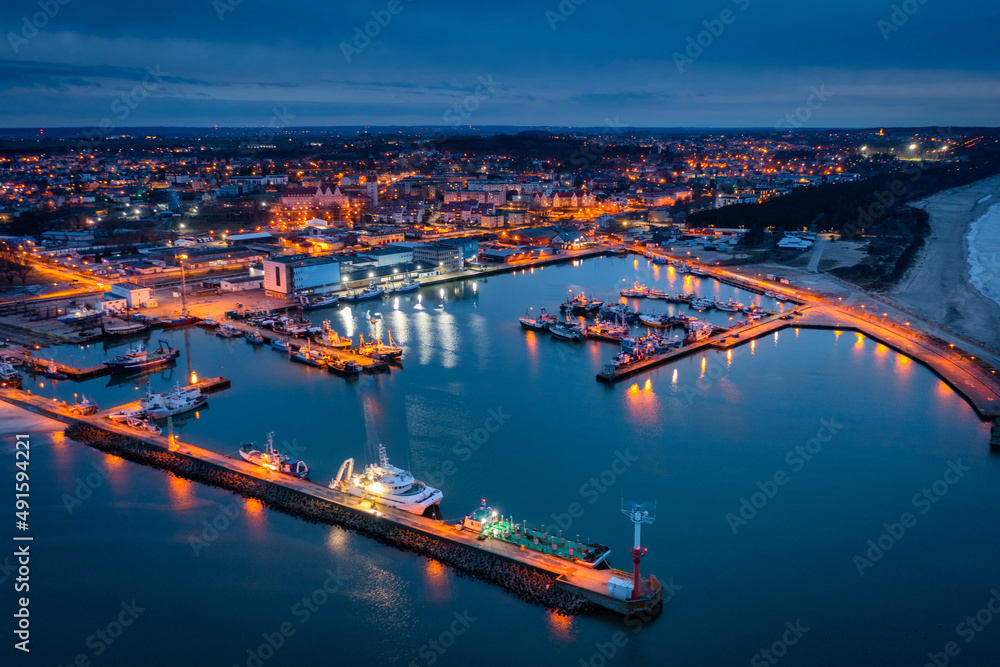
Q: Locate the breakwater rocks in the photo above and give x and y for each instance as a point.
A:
(525, 582)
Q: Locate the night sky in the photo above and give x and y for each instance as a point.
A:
(250, 62)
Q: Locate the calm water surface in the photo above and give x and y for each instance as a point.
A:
(706, 432)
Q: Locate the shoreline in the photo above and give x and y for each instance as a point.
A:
(939, 286)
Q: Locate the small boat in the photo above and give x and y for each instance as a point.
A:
(274, 460)
(331, 338)
(657, 321)
(137, 358)
(542, 322)
(207, 323)
(9, 377)
(254, 337)
(376, 349)
(699, 303)
(567, 331)
(83, 406)
(307, 303)
(145, 424)
(698, 272)
(343, 367)
(52, 371)
(122, 416)
(174, 402)
(279, 344)
(660, 259)
(307, 356)
(386, 484)
(226, 331)
(370, 292)
(730, 306)
(124, 328)
(679, 298)
(80, 315)
(581, 305)
(606, 329)
(658, 294)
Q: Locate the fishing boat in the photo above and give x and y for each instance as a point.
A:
(122, 416)
(312, 303)
(83, 406)
(657, 321)
(305, 355)
(772, 295)
(144, 424)
(695, 271)
(9, 377)
(699, 303)
(567, 331)
(331, 338)
(542, 322)
(581, 305)
(254, 337)
(279, 344)
(52, 371)
(124, 328)
(376, 349)
(408, 285)
(174, 402)
(370, 292)
(386, 484)
(608, 330)
(343, 367)
(656, 294)
(660, 259)
(274, 460)
(138, 358)
(226, 331)
(729, 306)
(207, 323)
(637, 291)
(181, 319)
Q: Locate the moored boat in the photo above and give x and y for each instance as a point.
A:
(254, 337)
(306, 355)
(312, 303)
(343, 367)
(386, 484)
(541, 322)
(9, 377)
(581, 305)
(409, 285)
(83, 406)
(138, 358)
(567, 331)
(144, 424)
(273, 460)
(370, 292)
(179, 320)
(279, 344)
(637, 291)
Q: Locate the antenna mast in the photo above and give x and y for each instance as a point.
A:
(638, 516)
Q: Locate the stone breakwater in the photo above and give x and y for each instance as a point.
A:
(526, 583)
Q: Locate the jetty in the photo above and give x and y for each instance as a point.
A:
(560, 584)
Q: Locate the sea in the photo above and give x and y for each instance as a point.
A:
(820, 499)
(983, 242)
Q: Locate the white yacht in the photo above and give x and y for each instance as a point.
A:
(386, 484)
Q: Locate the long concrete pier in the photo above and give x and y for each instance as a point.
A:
(577, 582)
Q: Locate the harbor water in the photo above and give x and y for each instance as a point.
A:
(818, 496)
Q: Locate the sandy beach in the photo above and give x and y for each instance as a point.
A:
(938, 286)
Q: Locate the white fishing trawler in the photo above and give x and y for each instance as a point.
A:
(386, 484)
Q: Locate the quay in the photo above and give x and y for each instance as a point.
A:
(368, 365)
(41, 365)
(556, 583)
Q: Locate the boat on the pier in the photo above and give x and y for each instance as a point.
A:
(331, 338)
(122, 416)
(83, 405)
(370, 292)
(52, 371)
(80, 316)
(255, 337)
(138, 358)
(274, 460)
(543, 321)
(9, 377)
(144, 424)
(386, 484)
(124, 328)
(343, 367)
(308, 356)
(486, 523)
(312, 303)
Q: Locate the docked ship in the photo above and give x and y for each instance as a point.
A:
(370, 292)
(608, 330)
(377, 349)
(331, 338)
(254, 337)
(581, 305)
(80, 316)
(9, 377)
(306, 355)
(343, 367)
(542, 322)
(487, 524)
(274, 460)
(83, 406)
(174, 402)
(568, 330)
(637, 291)
(386, 484)
(658, 321)
(124, 328)
(730, 306)
(408, 285)
(181, 319)
(699, 303)
(307, 303)
(138, 358)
